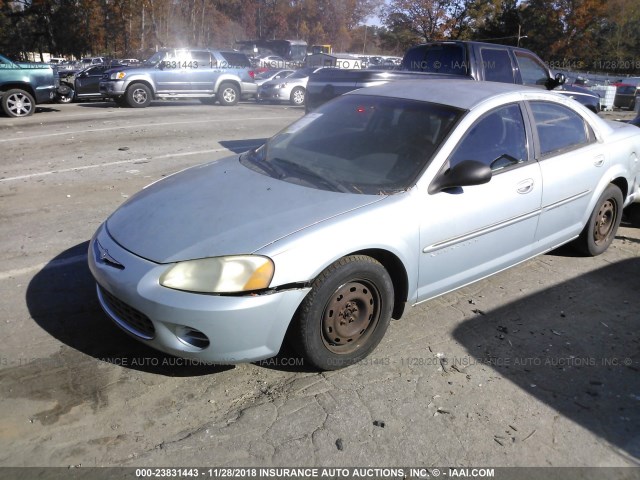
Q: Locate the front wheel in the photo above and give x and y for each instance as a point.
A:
(603, 223)
(228, 94)
(18, 103)
(67, 96)
(297, 96)
(346, 314)
(138, 95)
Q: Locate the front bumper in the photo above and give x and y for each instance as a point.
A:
(112, 88)
(204, 328)
(273, 94)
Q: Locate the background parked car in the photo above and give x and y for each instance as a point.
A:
(23, 85)
(206, 74)
(82, 85)
(274, 74)
(625, 97)
(292, 89)
(93, 61)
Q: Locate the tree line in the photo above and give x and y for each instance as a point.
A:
(594, 35)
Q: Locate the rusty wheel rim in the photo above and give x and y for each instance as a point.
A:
(350, 316)
(605, 221)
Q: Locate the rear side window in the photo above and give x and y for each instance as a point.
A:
(559, 128)
(531, 70)
(497, 65)
(236, 59)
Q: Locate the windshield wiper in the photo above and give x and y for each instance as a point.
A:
(267, 167)
(334, 184)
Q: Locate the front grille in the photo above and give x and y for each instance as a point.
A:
(126, 316)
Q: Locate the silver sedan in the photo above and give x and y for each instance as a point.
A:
(292, 89)
(381, 198)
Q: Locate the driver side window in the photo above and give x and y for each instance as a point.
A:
(498, 140)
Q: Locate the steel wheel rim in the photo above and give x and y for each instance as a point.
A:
(229, 95)
(139, 95)
(605, 220)
(19, 104)
(350, 316)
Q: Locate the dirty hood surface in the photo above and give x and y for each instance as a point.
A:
(221, 208)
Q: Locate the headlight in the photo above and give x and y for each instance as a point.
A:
(118, 75)
(238, 273)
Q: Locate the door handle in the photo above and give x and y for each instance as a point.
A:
(598, 161)
(525, 186)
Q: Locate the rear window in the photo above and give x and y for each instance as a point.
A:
(236, 59)
(437, 58)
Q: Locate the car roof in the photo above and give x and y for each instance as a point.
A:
(463, 94)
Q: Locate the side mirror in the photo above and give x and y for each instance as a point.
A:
(464, 174)
(161, 65)
(560, 78)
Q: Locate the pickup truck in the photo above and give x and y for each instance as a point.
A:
(450, 59)
(25, 85)
(205, 74)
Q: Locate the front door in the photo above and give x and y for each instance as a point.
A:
(468, 233)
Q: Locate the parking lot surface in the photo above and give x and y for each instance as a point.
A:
(536, 366)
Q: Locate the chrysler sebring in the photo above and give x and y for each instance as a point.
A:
(381, 198)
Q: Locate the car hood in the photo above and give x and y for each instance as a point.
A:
(221, 208)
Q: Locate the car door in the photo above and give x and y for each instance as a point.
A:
(572, 163)
(87, 81)
(467, 233)
(172, 74)
(201, 74)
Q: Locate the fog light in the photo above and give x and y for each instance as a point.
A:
(192, 337)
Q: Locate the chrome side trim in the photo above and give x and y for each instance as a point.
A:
(565, 201)
(477, 233)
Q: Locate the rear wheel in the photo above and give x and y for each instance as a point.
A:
(18, 103)
(603, 223)
(228, 94)
(346, 314)
(138, 95)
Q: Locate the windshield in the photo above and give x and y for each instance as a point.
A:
(357, 144)
(155, 59)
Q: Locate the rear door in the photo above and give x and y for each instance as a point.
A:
(202, 74)
(572, 162)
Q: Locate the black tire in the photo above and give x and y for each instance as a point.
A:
(18, 103)
(603, 223)
(67, 97)
(138, 95)
(228, 94)
(298, 96)
(346, 313)
(208, 101)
